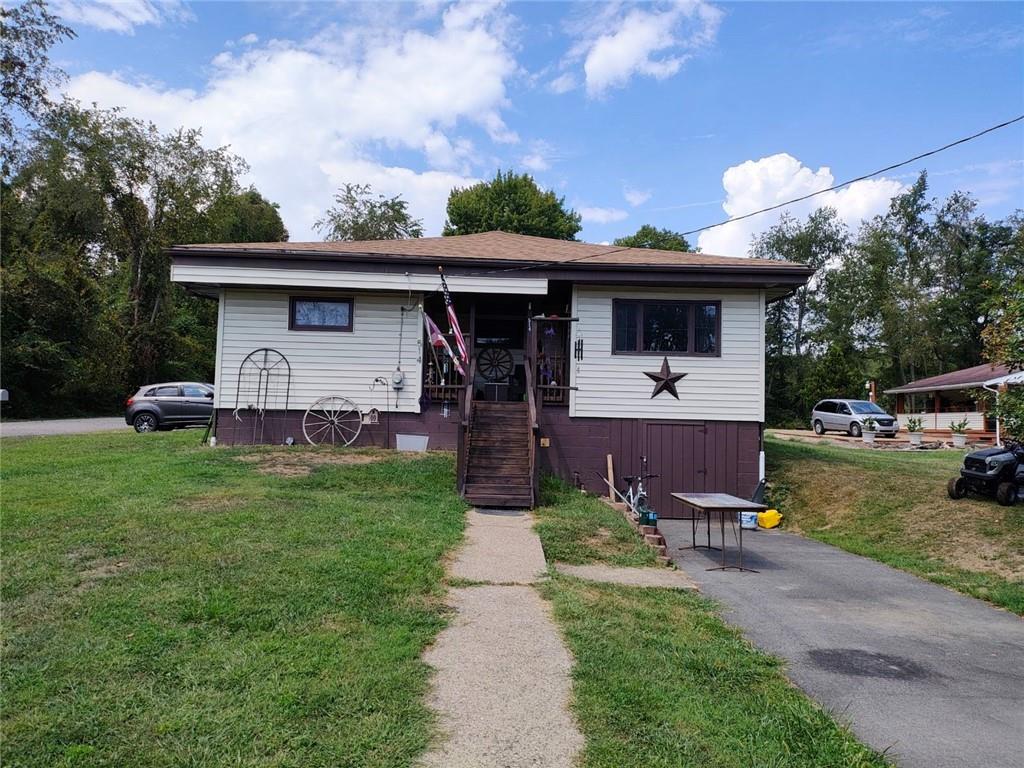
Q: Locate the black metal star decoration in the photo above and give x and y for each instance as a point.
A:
(664, 380)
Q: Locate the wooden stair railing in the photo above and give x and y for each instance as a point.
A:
(465, 426)
(532, 403)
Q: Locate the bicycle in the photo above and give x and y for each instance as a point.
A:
(636, 497)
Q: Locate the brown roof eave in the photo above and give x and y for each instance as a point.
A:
(496, 265)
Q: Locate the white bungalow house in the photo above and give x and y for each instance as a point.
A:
(575, 352)
(950, 397)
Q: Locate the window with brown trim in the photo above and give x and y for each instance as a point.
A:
(656, 327)
(313, 313)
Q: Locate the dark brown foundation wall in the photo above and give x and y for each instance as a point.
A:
(695, 456)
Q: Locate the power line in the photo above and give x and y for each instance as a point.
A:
(859, 178)
(929, 153)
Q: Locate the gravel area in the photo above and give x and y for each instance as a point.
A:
(500, 548)
(60, 426)
(632, 577)
(502, 685)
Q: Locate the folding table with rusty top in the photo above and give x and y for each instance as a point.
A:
(723, 503)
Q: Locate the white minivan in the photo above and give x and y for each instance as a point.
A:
(849, 416)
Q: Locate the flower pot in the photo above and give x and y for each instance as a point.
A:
(959, 439)
(915, 438)
(868, 437)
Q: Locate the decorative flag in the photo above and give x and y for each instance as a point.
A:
(438, 340)
(453, 321)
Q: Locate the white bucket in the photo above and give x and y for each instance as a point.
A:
(748, 520)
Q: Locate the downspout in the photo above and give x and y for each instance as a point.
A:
(999, 441)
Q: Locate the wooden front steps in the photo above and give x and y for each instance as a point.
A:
(498, 471)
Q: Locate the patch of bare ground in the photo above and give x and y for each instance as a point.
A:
(301, 461)
(92, 571)
(223, 500)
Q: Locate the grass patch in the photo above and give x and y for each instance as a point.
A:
(893, 507)
(166, 604)
(576, 528)
(661, 681)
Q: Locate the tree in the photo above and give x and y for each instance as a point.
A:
(89, 310)
(27, 33)
(510, 203)
(818, 242)
(652, 237)
(246, 217)
(358, 215)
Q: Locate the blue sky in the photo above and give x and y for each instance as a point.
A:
(673, 114)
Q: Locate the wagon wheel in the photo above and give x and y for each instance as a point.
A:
(494, 363)
(332, 420)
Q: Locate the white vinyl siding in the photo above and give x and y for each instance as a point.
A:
(729, 387)
(325, 362)
(329, 278)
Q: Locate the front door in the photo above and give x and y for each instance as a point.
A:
(676, 453)
(499, 344)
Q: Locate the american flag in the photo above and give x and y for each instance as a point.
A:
(453, 321)
(438, 340)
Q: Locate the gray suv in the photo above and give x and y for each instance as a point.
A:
(169, 405)
(849, 416)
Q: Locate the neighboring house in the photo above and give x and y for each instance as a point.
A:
(949, 397)
(568, 342)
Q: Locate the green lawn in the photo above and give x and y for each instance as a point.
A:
(576, 528)
(166, 604)
(892, 506)
(661, 681)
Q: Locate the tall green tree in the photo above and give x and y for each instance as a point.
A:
(511, 203)
(358, 214)
(649, 236)
(89, 310)
(246, 217)
(27, 33)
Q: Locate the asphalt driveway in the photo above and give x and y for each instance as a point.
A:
(60, 426)
(931, 677)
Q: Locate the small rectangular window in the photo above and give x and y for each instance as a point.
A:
(320, 314)
(166, 392)
(666, 327)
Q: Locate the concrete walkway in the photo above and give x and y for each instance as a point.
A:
(501, 686)
(60, 426)
(931, 676)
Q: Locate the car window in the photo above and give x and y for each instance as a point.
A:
(864, 406)
(166, 392)
(826, 406)
(193, 390)
(844, 408)
(150, 392)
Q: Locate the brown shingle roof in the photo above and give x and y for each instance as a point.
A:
(492, 246)
(965, 378)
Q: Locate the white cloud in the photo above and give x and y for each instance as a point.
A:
(636, 197)
(653, 40)
(540, 156)
(308, 116)
(251, 39)
(563, 83)
(596, 215)
(121, 15)
(758, 184)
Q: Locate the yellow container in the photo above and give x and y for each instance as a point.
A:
(769, 518)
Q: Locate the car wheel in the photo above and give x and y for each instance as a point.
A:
(1006, 494)
(145, 422)
(819, 428)
(854, 429)
(956, 488)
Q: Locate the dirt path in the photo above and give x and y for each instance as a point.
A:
(501, 687)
